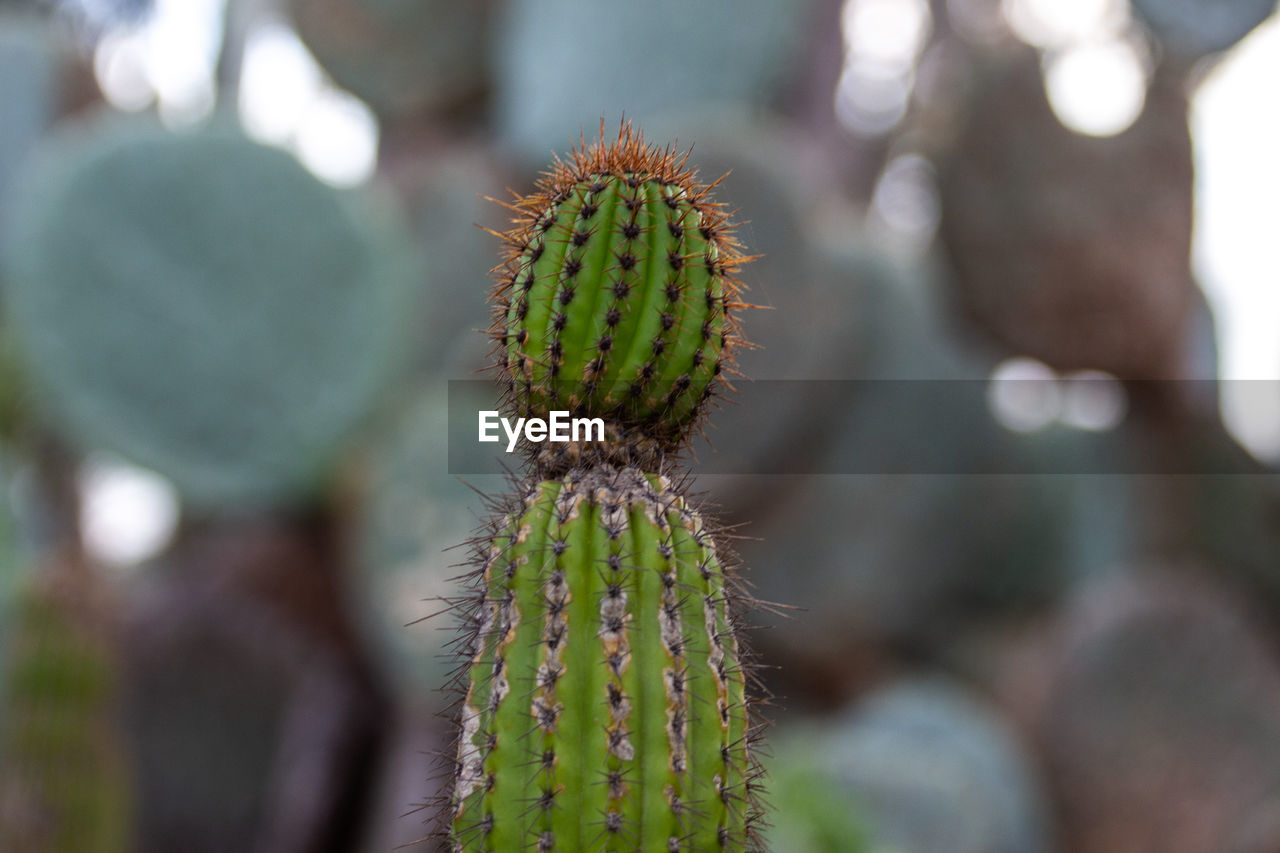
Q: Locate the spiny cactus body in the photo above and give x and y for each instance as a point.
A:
(616, 297)
(605, 707)
(605, 704)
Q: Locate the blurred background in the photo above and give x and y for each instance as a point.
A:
(239, 266)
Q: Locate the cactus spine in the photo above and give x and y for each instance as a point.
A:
(605, 696)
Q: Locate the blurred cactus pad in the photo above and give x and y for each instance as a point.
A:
(563, 63)
(28, 99)
(922, 765)
(202, 305)
(1191, 29)
(400, 56)
(64, 783)
(606, 704)
(618, 293)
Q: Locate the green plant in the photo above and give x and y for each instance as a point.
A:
(64, 783)
(202, 305)
(547, 76)
(402, 57)
(605, 702)
(617, 294)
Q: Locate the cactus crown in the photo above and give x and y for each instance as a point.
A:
(617, 293)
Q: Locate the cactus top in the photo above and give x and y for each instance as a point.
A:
(617, 294)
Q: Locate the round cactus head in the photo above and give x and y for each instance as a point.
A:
(616, 299)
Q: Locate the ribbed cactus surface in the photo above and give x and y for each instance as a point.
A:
(617, 296)
(605, 707)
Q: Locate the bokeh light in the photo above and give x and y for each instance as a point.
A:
(882, 41)
(1235, 253)
(1053, 23)
(128, 513)
(1096, 87)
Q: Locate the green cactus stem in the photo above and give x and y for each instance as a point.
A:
(617, 296)
(64, 781)
(605, 707)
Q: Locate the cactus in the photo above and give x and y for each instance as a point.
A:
(616, 297)
(562, 63)
(811, 813)
(64, 784)
(604, 700)
(606, 703)
(402, 57)
(1191, 30)
(201, 305)
(1039, 222)
(29, 65)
